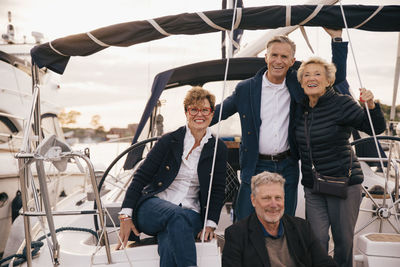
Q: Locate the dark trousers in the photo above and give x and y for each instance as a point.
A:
(341, 215)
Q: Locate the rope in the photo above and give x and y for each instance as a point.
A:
(365, 103)
(369, 18)
(158, 27)
(237, 13)
(361, 86)
(238, 17)
(119, 238)
(303, 32)
(55, 50)
(210, 22)
(217, 135)
(218, 131)
(310, 17)
(98, 247)
(288, 15)
(36, 245)
(97, 41)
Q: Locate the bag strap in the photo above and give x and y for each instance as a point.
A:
(308, 139)
(307, 135)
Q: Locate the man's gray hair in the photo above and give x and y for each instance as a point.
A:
(283, 40)
(266, 178)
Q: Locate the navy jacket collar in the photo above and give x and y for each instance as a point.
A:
(256, 96)
(178, 137)
(267, 234)
(324, 98)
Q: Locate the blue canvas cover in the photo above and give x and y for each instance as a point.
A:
(55, 55)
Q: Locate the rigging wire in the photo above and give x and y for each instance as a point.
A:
(116, 229)
(369, 115)
(219, 125)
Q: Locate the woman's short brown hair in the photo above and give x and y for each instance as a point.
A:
(197, 94)
(330, 69)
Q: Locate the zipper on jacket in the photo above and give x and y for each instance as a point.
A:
(307, 132)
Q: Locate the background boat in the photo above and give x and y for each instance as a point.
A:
(15, 107)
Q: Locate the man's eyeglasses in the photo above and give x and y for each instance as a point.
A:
(195, 111)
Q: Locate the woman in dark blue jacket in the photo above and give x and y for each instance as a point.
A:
(168, 194)
(323, 129)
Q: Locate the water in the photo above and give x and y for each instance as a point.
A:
(102, 154)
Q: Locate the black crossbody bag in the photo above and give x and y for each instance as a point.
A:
(323, 184)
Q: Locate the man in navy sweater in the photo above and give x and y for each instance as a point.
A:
(266, 105)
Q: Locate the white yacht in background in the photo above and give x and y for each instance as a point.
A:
(15, 105)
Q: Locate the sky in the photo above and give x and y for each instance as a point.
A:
(115, 83)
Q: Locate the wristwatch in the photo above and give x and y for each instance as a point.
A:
(337, 39)
(124, 217)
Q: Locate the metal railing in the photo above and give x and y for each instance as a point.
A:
(53, 150)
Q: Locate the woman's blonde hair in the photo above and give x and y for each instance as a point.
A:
(197, 94)
(330, 69)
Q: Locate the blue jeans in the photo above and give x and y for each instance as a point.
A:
(288, 168)
(175, 229)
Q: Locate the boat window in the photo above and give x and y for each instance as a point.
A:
(7, 128)
(173, 115)
(51, 125)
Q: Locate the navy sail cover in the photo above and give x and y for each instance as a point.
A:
(55, 54)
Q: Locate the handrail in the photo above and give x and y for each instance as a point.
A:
(29, 158)
(379, 137)
(123, 153)
(97, 202)
(23, 162)
(375, 159)
(11, 116)
(105, 174)
(60, 213)
(396, 183)
(11, 135)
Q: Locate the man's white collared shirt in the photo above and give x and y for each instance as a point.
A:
(274, 114)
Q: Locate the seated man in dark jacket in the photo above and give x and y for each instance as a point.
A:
(268, 237)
